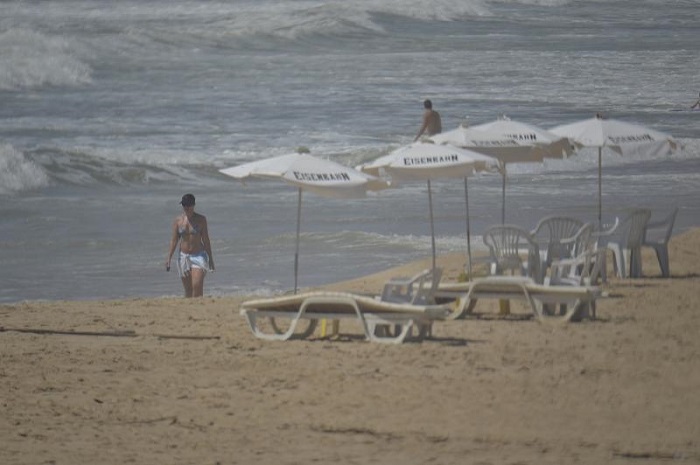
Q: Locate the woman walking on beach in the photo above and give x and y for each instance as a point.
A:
(195, 258)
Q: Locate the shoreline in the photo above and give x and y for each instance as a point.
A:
(172, 380)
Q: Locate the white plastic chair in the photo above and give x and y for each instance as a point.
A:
(583, 268)
(549, 233)
(417, 290)
(507, 244)
(656, 236)
(625, 242)
(599, 236)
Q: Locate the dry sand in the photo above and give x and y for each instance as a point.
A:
(171, 381)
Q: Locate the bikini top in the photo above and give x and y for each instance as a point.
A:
(182, 230)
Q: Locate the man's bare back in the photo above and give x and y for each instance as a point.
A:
(432, 123)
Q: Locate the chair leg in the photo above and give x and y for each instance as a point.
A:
(602, 256)
(662, 256)
(635, 258)
(619, 262)
(425, 330)
(625, 263)
(594, 273)
(380, 336)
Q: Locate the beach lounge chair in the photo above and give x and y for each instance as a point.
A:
(373, 314)
(656, 236)
(512, 248)
(548, 303)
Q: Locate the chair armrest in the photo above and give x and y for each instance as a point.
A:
(568, 240)
(394, 287)
(660, 230)
(608, 229)
(657, 232)
(657, 224)
(605, 236)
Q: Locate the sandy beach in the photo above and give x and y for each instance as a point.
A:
(175, 381)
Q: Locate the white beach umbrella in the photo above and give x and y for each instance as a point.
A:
(425, 161)
(323, 177)
(504, 148)
(553, 145)
(619, 136)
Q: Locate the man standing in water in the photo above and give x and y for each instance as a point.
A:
(431, 121)
(195, 259)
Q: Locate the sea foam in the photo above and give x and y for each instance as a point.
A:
(17, 173)
(31, 60)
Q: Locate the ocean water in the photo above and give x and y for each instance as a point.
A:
(111, 111)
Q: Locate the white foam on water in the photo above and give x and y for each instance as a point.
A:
(17, 173)
(112, 111)
(32, 59)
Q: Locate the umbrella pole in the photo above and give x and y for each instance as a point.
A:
(600, 187)
(469, 239)
(503, 203)
(432, 225)
(296, 251)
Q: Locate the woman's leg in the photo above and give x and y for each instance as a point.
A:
(187, 284)
(197, 275)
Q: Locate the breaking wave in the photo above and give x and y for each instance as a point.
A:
(33, 60)
(17, 173)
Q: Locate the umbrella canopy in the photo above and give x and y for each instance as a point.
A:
(504, 148)
(425, 161)
(422, 161)
(323, 177)
(553, 145)
(614, 134)
(619, 136)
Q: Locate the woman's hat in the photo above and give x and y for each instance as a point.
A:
(187, 200)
